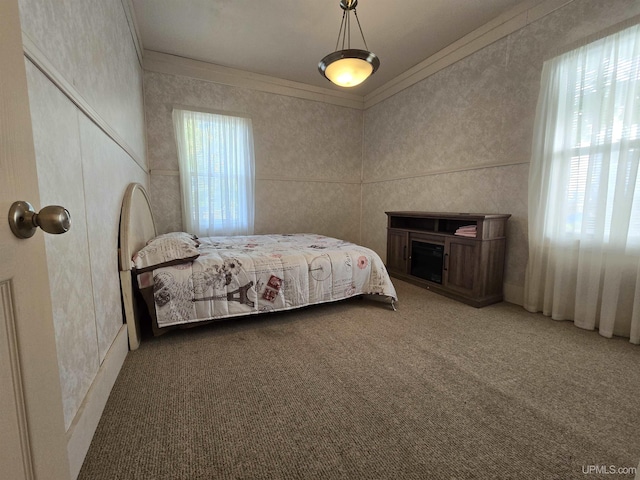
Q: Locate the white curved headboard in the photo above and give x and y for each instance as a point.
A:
(136, 223)
(136, 228)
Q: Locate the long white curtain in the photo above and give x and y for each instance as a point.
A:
(217, 181)
(584, 188)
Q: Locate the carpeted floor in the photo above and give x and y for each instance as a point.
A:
(353, 390)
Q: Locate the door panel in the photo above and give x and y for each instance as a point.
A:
(397, 251)
(460, 264)
(34, 443)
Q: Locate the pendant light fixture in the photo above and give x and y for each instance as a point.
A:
(348, 67)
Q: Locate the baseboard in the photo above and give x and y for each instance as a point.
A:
(513, 294)
(84, 424)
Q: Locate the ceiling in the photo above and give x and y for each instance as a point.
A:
(287, 38)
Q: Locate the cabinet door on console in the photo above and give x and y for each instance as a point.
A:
(461, 265)
(397, 251)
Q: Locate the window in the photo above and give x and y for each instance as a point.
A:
(589, 113)
(216, 162)
(584, 188)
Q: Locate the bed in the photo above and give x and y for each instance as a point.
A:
(188, 281)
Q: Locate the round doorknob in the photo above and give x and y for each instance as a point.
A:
(23, 219)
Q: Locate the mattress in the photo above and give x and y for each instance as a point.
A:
(244, 275)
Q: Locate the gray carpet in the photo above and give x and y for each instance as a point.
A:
(353, 390)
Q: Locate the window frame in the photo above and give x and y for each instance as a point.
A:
(237, 211)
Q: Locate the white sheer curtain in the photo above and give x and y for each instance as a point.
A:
(216, 161)
(584, 188)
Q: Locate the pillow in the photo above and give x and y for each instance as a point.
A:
(187, 237)
(164, 251)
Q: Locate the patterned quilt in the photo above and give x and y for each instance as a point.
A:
(252, 274)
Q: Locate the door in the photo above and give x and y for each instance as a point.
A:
(32, 438)
(397, 245)
(461, 265)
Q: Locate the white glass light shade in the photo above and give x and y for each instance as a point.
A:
(348, 68)
(349, 72)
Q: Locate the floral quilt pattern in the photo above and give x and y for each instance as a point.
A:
(252, 274)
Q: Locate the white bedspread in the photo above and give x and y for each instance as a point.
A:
(253, 274)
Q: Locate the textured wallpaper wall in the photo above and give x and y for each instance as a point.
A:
(89, 44)
(308, 156)
(460, 140)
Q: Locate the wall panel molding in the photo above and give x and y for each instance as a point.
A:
(86, 421)
(174, 65)
(42, 63)
(518, 17)
(509, 22)
(130, 13)
(266, 178)
(306, 180)
(444, 171)
(426, 173)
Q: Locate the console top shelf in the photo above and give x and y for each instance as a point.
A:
(488, 225)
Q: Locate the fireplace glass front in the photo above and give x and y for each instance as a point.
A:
(426, 260)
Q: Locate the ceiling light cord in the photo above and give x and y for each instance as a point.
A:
(345, 29)
(348, 67)
(359, 27)
(348, 28)
(344, 13)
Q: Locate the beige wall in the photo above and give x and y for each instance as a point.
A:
(308, 156)
(86, 47)
(90, 43)
(460, 140)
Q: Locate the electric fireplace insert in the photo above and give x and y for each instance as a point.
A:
(426, 260)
